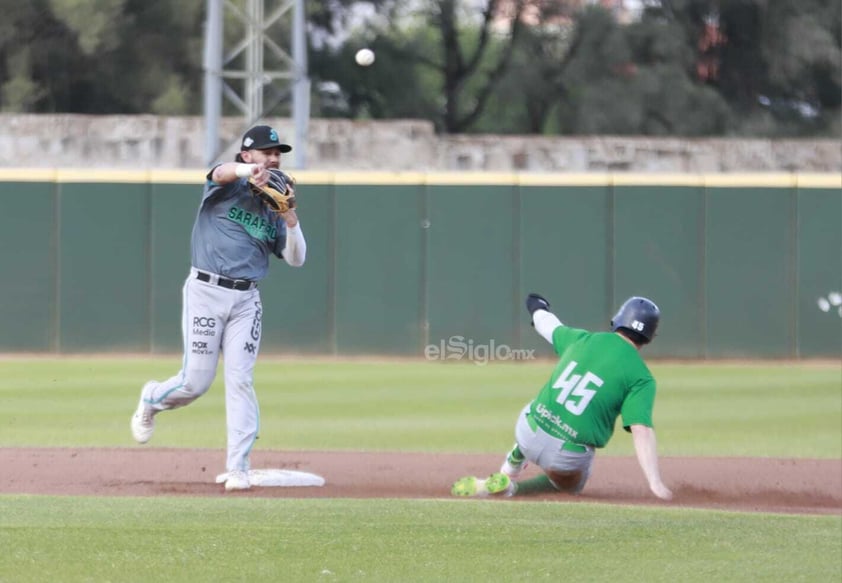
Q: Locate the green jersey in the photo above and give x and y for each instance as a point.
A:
(599, 376)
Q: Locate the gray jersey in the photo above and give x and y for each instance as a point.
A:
(234, 232)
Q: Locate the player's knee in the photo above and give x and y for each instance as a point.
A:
(197, 382)
(570, 482)
(240, 384)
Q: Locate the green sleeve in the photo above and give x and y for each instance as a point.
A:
(638, 404)
(564, 336)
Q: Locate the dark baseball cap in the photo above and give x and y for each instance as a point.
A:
(263, 138)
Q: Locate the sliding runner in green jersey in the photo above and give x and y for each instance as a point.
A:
(599, 377)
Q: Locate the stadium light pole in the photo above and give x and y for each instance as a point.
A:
(254, 78)
(301, 86)
(213, 79)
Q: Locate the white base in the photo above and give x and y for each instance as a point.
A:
(282, 478)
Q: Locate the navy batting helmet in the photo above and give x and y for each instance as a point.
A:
(639, 316)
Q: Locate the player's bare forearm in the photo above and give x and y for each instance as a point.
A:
(228, 172)
(290, 218)
(645, 446)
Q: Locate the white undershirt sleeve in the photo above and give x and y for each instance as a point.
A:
(545, 323)
(295, 251)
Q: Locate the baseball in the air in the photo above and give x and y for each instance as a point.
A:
(364, 57)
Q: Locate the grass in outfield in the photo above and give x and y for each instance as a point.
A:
(704, 409)
(759, 409)
(231, 539)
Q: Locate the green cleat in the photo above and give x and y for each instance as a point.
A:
(465, 486)
(496, 484)
(499, 483)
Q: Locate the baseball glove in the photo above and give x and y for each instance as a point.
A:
(278, 194)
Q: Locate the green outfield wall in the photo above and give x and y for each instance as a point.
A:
(741, 265)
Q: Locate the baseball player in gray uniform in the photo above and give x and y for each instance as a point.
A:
(233, 236)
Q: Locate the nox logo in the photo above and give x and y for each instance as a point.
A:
(249, 347)
(200, 347)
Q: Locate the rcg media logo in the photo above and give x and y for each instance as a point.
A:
(461, 348)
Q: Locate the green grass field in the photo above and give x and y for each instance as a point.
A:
(760, 409)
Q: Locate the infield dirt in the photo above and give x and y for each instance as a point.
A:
(741, 484)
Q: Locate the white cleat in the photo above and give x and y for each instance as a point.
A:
(237, 480)
(143, 420)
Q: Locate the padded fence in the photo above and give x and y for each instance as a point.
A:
(415, 264)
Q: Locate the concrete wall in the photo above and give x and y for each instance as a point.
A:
(147, 141)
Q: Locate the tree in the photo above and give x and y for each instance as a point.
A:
(693, 67)
(459, 62)
(330, 18)
(101, 56)
(590, 74)
(776, 60)
(445, 42)
(22, 86)
(688, 67)
(533, 84)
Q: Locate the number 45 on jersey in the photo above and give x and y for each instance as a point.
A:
(575, 394)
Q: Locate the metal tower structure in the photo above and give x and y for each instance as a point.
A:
(238, 73)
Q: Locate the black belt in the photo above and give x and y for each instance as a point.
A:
(237, 284)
